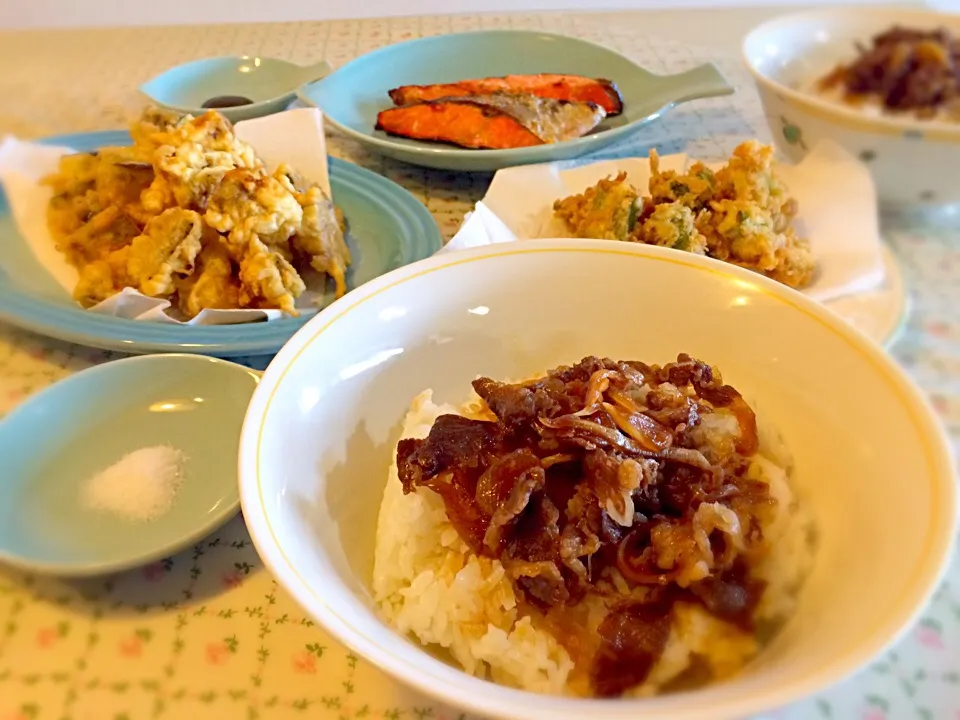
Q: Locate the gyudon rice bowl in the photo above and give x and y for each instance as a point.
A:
(322, 432)
(611, 528)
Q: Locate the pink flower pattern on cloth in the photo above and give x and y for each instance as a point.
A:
(208, 633)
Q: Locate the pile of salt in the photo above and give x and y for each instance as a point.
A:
(139, 487)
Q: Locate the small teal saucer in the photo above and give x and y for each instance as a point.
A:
(268, 83)
(66, 434)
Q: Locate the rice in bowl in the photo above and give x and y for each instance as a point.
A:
(451, 590)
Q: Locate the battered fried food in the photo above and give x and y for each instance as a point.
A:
(673, 225)
(606, 211)
(320, 238)
(742, 214)
(122, 174)
(213, 285)
(192, 158)
(101, 279)
(106, 231)
(167, 248)
(247, 204)
(191, 214)
(267, 279)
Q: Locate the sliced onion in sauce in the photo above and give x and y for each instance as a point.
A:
(645, 430)
(749, 441)
(686, 456)
(556, 459)
(598, 384)
(606, 435)
(636, 568)
(625, 401)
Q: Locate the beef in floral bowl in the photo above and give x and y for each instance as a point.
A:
(882, 82)
(530, 505)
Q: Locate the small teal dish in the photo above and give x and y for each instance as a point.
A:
(387, 228)
(352, 96)
(61, 437)
(268, 82)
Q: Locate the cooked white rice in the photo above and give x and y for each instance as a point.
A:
(431, 586)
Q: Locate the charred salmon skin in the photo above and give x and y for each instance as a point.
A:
(573, 88)
(492, 122)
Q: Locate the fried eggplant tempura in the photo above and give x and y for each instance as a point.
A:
(267, 279)
(191, 159)
(106, 231)
(102, 279)
(320, 237)
(247, 205)
(742, 214)
(213, 285)
(191, 214)
(166, 250)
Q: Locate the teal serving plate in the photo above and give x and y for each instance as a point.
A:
(269, 82)
(387, 228)
(61, 437)
(351, 96)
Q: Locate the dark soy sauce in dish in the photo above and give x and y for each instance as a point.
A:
(226, 101)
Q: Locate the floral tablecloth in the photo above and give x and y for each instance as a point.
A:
(208, 633)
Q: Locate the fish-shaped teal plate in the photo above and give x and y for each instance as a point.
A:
(388, 228)
(351, 96)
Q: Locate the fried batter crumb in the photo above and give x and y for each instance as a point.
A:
(606, 211)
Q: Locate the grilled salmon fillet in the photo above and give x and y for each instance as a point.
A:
(459, 122)
(492, 122)
(572, 88)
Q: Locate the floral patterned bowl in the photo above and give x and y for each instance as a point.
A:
(913, 162)
(871, 460)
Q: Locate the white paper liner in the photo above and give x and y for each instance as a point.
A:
(836, 196)
(295, 137)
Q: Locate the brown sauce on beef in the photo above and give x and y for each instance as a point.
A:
(592, 472)
(908, 70)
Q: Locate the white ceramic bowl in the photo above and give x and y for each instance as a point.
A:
(871, 458)
(913, 161)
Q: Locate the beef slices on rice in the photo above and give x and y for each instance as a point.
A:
(618, 511)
